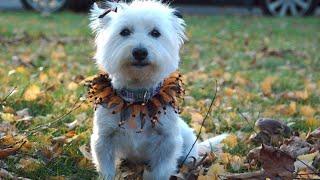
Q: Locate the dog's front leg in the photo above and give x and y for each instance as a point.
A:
(164, 159)
(103, 154)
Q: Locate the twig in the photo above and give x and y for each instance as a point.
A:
(73, 108)
(202, 124)
(9, 94)
(246, 175)
(309, 167)
(245, 118)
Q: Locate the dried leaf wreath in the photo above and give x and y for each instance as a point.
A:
(100, 92)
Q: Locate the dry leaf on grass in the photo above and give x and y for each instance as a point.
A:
(314, 134)
(29, 164)
(295, 146)
(306, 159)
(8, 117)
(266, 85)
(307, 111)
(230, 141)
(4, 153)
(276, 163)
(32, 93)
(296, 95)
(85, 152)
(79, 121)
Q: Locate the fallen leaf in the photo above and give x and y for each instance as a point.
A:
(236, 163)
(43, 77)
(314, 134)
(313, 122)
(70, 134)
(307, 111)
(276, 163)
(72, 86)
(8, 117)
(24, 112)
(229, 91)
(306, 159)
(4, 153)
(296, 95)
(85, 163)
(79, 121)
(225, 158)
(266, 85)
(295, 146)
(32, 93)
(230, 141)
(29, 164)
(85, 152)
(216, 169)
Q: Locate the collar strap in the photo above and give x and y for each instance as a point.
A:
(138, 95)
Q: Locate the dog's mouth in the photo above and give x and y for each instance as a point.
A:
(140, 64)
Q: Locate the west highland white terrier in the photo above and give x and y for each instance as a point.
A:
(138, 45)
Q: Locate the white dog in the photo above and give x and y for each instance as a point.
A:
(138, 44)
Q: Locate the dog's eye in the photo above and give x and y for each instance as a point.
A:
(125, 32)
(155, 33)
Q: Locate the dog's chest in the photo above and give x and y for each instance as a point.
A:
(127, 140)
(141, 144)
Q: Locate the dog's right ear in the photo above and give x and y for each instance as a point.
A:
(98, 16)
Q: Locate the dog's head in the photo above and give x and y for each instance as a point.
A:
(137, 43)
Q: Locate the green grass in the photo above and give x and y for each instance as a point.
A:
(223, 48)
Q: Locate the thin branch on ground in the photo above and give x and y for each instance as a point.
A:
(247, 120)
(74, 107)
(202, 124)
(8, 95)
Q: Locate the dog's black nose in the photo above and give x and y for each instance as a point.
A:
(140, 54)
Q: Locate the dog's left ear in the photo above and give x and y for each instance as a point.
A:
(101, 14)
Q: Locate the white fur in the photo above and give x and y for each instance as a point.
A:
(160, 147)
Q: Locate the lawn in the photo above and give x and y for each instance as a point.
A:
(265, 67)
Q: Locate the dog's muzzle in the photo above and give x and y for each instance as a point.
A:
(140, 57)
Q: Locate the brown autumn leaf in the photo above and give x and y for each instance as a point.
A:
(229, 91)
(316, 161)
(85, 152)
(295, 146)
(266, 85)
(305, 159)
(312, 122)
(296, 95)
(285, 109)
(276, 163)
(72, 86)
(314, 134)
(4, 153)
(8, 117)
(43, 77)
(307, 111)
(29, 164)
(216, 170)
(32, 93)
(240, 79)
(230, 141)
(236, 163)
